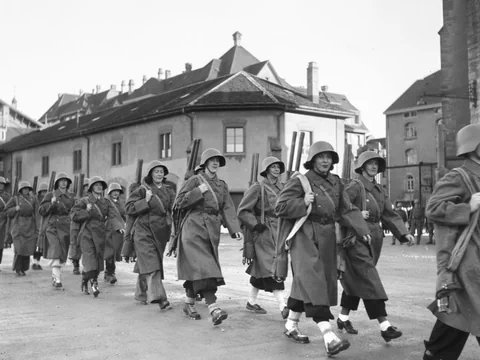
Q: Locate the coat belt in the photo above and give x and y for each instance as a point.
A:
(319, 219)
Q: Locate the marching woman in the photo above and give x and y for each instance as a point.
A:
(317, 200)
(257, 213)
(114, 243)
(92, 212)
(361, 279)
(75, 252)
(208, 205)
(55, 209)
(22, 210)
(4, 198)
(151, 206)
(41, 192)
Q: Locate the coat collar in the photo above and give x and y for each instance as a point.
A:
(277, 185)
(369, 185)
(472, 166)
(315, 177)
(215, 179)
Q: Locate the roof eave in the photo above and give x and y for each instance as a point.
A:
(412, 108)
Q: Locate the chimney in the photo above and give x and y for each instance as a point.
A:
(59, 96)
(113, 87)
(14, 102)
(167, 74)
(131, 84)
(144, 79)
(324, 88)
(122, 86)
(160, 73)
(98, 88)
(312, 81)
(188, 67)
(237, 38)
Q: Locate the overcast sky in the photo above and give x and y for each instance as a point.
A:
(370, 50)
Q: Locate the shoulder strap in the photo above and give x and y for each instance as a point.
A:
(466, 179)
(162, 207)
(3, 201)
(211, 190)
(98, 209)
(325, 192)
(116, 209)
(363, 194)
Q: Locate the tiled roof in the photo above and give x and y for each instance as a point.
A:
(240, 90)
(236, 59)
(31, 121)
(53, 112)
(429, 85)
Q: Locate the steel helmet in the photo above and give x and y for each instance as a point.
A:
(24, 184)
(367, 156)
(95, 179)
(2, 180)
(86, 181)
(468, 138)
(210, 153)
(114, 186)
(270, 161)
(42, 187)
(62, 175)
(154, 164)
(320, 147)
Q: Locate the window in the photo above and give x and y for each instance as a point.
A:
(235, 139)
(165, 145)
(77, 160)
(411, 156)
(18, 168)
(45, 163)
(409, 114)
(410, 183)
(307, 142)
(357, 119)
(117, 153)
(410, 131)
(2, 135)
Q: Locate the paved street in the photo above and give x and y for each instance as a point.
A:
(39, 322)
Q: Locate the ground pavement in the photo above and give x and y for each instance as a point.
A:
(40, 322)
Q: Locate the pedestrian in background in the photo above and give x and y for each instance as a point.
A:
(150, 205)
(22, 210)
(257, 213)
(41, 192)
(417, 220)
(4, 198)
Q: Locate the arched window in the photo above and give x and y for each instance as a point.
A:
(411, 156)
(410, 130)
(410, 183)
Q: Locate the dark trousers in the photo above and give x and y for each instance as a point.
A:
(90, 275)
(37, 255)
(21, 263)
(1, 255)
(317, 312)
(76, 263)
(375, 308)
(446, 342)
(110, 266)
(207, 288)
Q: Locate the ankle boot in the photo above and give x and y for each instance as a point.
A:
(94, 285)
(84, 287)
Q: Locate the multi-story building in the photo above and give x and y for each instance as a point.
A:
(236, 111)
(411, 142)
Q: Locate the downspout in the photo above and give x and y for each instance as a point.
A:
(191, 117)
(440, 148)
(88, 153)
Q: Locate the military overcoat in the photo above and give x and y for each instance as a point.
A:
(23, 224)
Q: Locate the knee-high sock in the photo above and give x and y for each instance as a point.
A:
(252, 299)
(280, 299)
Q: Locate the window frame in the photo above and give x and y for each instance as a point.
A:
(161, 142)
(244, 138)
(77, 160)
(45, 165)
(409, 183)
(117, 150)
(406, 156)
(410, 128)
(18, 168)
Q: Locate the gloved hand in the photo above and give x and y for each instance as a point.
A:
(260, 228)
(367, 239)
(237, 236)
(409, 239)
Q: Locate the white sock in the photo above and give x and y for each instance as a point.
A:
(328, 334)
(343, 317)
(252, 299)
(385, 325)
(280, 299)
(190, 301)
(324, 327)
(292, 320)
(212, 307)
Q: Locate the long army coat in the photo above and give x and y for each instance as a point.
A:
(114, 239)
(56, 225)
(40, 225)
(93, 230)
(4, 198)
(23, 225)
(200, 235)
(313, 248)
(449, 210)
(361, 276)
(151, 228)
(249, 214)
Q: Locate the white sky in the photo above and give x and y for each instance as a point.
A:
(370, 50)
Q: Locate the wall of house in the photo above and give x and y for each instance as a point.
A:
(323, 129)
(425, 144)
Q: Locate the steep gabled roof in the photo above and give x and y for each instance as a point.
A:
(232, 92)
(236, 59)
(53, 112)
(411, 97)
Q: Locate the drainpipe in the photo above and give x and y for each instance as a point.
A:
(440, 148)
(88, 154)
(191, 117)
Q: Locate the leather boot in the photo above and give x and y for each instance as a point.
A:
(94, 285)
